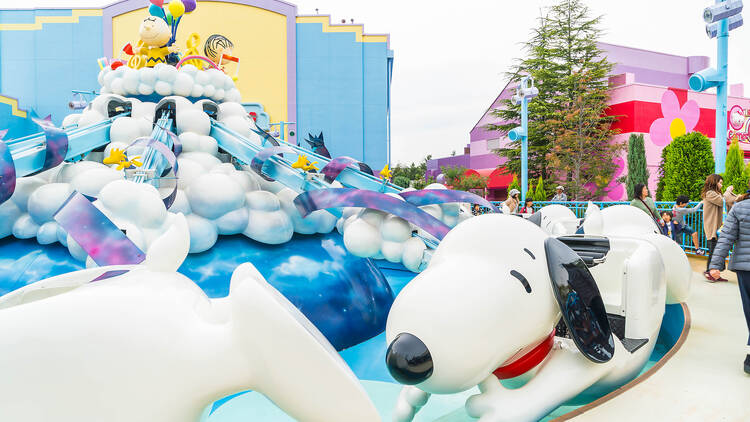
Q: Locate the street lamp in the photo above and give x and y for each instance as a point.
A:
(525, 91)
(720, 18)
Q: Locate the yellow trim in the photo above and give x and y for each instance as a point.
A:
(357, 29)
(13, 103)
(41, 20)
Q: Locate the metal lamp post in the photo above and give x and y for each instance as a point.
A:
(525, 91)
(720, 18)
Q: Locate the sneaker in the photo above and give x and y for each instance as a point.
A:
(700, 252)
(747, 365)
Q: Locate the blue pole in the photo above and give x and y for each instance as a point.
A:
(524, 148)
(721, 95)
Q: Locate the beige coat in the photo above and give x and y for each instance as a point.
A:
(512, 204)
(713, 211)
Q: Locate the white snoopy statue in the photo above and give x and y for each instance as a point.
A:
(144, 343)
(488, 304)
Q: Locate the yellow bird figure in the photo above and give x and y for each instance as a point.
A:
(132, 162)
(304, 164)
(117, 156)
(385, 173)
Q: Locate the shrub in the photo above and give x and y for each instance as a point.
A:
(689, 161)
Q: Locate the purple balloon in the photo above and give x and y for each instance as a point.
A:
(190, 5)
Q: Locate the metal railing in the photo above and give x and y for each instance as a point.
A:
(694, 220)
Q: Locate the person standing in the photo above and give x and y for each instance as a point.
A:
(560, 195)
(643, 202)
(528, 206)
(713, 212)
(679, 211)
(512, 202)
(736, 232)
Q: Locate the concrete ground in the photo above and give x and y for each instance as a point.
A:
(704, 380)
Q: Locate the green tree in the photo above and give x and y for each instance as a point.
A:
(401, 180)
(637, 170)
(662, 178)
(689, 160)
(735, 174)
(540, 194)
(471, 182)
(569, 131)
(422, 183)
(452, 174)
(413, 172)
(514, 184)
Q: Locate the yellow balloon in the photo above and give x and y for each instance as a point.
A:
(176, 8)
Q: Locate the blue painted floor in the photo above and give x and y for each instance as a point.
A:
(348, 298)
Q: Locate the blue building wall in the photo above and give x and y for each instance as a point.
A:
(40, 67)
(343, 90)
(342, 84)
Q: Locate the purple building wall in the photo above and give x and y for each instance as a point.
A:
(646, 67)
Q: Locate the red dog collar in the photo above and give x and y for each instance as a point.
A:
(528, 361)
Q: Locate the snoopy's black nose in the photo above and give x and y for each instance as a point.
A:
(408, 359)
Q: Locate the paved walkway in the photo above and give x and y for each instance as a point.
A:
(704, 380)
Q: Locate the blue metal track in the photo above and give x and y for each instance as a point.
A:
(281, 169)
(29, 152)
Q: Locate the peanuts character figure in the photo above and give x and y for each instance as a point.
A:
(216, 46)
(155, 34)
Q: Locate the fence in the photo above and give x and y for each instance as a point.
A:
(694, 220)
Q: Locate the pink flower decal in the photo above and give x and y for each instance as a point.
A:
(677, 120)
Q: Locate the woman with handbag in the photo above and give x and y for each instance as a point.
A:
(643, 202)
(713, 213)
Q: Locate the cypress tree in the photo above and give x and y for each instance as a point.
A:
(637, 170)
(540, 194)
(735, 174)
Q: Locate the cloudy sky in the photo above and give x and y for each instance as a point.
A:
(450, 56)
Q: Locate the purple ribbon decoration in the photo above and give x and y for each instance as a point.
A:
(266, 136)
(56, 144)
(7, 170)
(176, 143)
(260, 159)
(442, 196)
(336, 166)
(96, 234)
(168, 155)
(314, 200)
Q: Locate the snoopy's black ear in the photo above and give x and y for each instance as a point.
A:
(580, 302)
(536, 218)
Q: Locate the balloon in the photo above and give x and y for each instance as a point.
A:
(169, 18)
(176, 8)
(190, 5)
(157, 3)
(155, 10)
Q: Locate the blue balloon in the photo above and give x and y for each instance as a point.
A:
(155, 10)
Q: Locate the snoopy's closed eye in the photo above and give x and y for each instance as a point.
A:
(522, 279)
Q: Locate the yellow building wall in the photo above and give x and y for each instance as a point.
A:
(260, 41)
